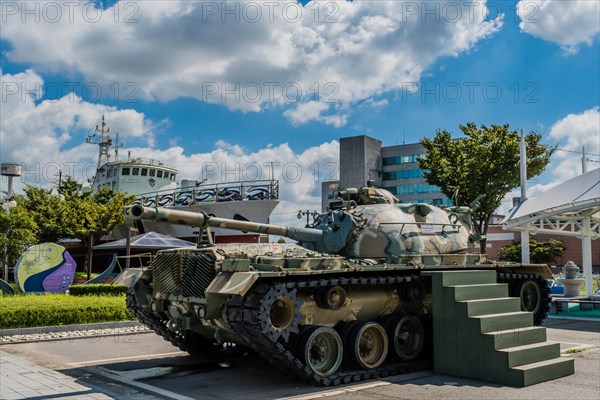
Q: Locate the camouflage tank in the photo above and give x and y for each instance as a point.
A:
(349, 302)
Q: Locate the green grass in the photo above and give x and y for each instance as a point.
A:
(595, 285)
(83, 275)
(58, 309)
(574, 351)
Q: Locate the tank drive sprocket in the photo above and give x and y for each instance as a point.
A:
(279, 312)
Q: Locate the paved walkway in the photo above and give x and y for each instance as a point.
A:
(21, 379)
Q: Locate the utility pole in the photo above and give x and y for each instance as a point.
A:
(9, 170)
(523, 173)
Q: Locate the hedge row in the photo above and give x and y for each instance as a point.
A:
(97, 289)
(59, 309)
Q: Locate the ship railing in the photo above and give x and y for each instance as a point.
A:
(211, 193)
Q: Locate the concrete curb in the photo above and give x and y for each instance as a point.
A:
(69, 328)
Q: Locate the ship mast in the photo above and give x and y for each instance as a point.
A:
(104, 142)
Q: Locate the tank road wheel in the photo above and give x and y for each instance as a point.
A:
(321, 350)
(279, 312)
(366, 343)
(533, 292)
(406, 335)
(535, 299)
(331, 298)
(531, 296)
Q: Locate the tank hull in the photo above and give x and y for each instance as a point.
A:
(299, 308)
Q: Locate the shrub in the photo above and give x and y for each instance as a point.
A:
(59, 309)
(97, 289)
(539, 252)
(83, 275)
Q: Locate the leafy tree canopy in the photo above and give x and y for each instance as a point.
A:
(485, 161)
(17, 232)
(74, 212)
(540, 252)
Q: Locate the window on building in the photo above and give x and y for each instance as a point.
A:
(445, 202)
(405, 174)
(418, 188)
(398, 160)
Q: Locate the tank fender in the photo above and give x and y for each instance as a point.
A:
(224, 285)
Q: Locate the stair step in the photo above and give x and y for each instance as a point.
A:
(453, 278)
(530, 374)
(531, 353)
(504, 321)
(516, 337)
(492, 306)
(477, 292)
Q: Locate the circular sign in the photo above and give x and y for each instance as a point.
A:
(45, 267)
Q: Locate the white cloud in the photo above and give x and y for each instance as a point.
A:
(574, 132)
(335, 51)
(571, 133)
(568, 23)
(40, 134)
(313, 111)
(235, 149)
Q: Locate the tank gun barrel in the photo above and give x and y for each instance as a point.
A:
(201, 219)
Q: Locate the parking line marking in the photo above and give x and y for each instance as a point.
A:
(337, 392)
(144, 386)
(141, 357)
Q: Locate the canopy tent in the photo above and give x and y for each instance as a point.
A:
(569, 209)
(146, 241)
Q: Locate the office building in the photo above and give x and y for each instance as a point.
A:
(394, 168)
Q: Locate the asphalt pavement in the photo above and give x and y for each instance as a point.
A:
(141, 365)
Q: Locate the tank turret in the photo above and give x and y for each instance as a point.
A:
(362, 223)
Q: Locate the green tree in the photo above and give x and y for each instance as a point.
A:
(17, 232)
(540, 252)
(47, 210)
(88, 216)
(75, 212)
(485, 161)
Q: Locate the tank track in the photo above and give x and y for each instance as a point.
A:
(517, 279)
(244, 320)
(195, 346)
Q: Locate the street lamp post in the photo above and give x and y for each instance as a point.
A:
(308, 213)
(9, 170)
(8, 205)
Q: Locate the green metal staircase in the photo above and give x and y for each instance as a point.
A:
(481, 333)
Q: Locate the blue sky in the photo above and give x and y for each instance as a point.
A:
(532, 64)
